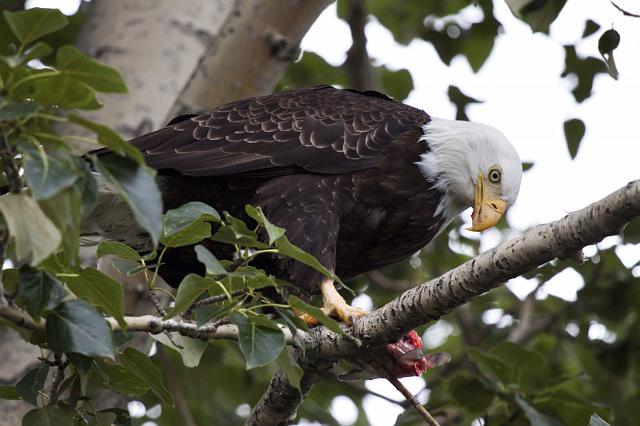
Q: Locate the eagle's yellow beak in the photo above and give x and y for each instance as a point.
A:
(488, 208)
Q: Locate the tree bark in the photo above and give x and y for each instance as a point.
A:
(250, 53)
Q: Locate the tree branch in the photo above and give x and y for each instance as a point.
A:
(358, 64)
(624, 12)
(417, 306)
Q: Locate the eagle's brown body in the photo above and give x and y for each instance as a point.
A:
(335, 168)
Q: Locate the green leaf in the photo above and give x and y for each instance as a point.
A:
(118, 249)
(63, 91)
(287, 249)
(314, 311)
(460, 100)
(50, 415)
(471, 394)
(536, 418)
(75, 326)
(193, 234)
(210, 262)
(190, 288)
(261, 340)
(8, 392)
(527, 166)
(122, 380)
(236, 232)
(590, 27)
(176, 220)
(30, 385)
(491, 365)
(538, 14)
(64, 211)
(102, 419)
(38, 292)
(38, 50)
(608, 41)
(397, 84)
(140, 365)
(103, 292)
(596, 420)
(290, 366)
(36, 237)
(73, 63)
(191, 350)
(30, 25)
(574, 130)
(274, 232)
(13, 111)
(109, 138)
(48, 173)
(137, 187)
(123, 418)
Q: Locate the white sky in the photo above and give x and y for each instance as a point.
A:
(528, 101)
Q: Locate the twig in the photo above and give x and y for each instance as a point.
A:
(58, 377)
(410, 397)
(358, 64)
(624, 12)
(217, 299)
(10, 167)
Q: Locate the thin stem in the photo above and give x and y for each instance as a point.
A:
(411, 398)
(218, 298)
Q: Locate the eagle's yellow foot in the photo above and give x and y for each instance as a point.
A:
(334, 306)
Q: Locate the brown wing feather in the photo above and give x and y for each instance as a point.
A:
(318, 130)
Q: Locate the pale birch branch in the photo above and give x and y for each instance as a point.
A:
(426, 302)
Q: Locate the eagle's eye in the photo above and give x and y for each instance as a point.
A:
(495, 175)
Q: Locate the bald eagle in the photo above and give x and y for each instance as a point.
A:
(358, 180)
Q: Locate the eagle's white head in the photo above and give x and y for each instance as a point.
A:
(475, 166)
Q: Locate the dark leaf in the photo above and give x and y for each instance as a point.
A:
(12, 111)
(274, 232)
(460, 100)
(527, 166)
(102, 419)
(539, 14)
(260, 339)
(192, 234)
(29, 386)
(290, 366)
(48, 173)
(590, 27)
(137, 187)
(36, 51)
(118, 249)
(109, 138)
(585, 69)
(397, 84)
(123, 418)
(50, 415)
(102, 291)
(140, 365)
(75, 326)
(210, 262)
(287, 249)
(29, 25)
(39, 292)
(536, 418)
(608, 42)
(191, 287)
(574, 130)
(179, 219)
(471, 394)
(317, 313)
(64, 210)
(122, 380)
